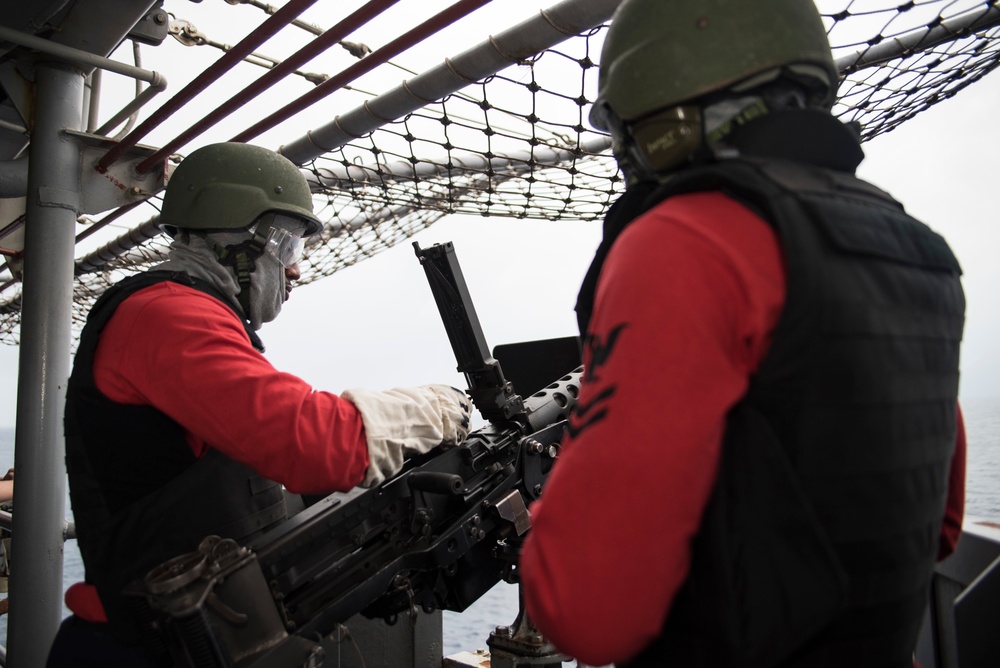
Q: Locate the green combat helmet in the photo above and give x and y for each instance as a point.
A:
(661, 57)
(228, 186)
(232, 186)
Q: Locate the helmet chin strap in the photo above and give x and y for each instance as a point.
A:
(241, 258)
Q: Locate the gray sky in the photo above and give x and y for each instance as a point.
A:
(375, 324)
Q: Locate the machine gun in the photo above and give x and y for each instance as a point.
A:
(436, 536)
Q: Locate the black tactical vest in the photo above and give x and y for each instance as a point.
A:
(139, 495)
(818, 543)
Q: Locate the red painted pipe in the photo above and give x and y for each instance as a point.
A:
(329, 38)
(370, 62)
(264, 31)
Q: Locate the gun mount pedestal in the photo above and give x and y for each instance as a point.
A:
(521, 644)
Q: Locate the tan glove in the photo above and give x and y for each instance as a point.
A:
(406, 421)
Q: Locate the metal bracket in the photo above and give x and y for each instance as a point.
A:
(120, 184)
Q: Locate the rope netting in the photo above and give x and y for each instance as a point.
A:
(517, 143)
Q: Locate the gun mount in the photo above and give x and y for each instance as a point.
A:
(436, 536)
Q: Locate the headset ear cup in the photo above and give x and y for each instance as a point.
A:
(664, 141)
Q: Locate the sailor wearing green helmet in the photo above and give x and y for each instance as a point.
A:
(678, 77)
(238, 202)
(177, 427)
(767, 456)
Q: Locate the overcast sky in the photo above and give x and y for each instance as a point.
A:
(375, 325)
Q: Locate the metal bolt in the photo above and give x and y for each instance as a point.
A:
(315, 658)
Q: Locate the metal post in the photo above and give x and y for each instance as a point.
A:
(53, 202)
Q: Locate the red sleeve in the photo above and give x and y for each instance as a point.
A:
(951, 528)
(187, 354)
(685, 305)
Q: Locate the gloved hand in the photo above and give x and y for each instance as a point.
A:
(406, 421)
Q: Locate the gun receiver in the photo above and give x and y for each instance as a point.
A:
(437, 536)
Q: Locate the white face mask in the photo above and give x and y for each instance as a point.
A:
(199, 257)
(267, 290)
(282, 249)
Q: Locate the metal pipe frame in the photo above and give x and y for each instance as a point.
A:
(513, 164)
(215, 71)
(115, 248)
(371, 61)
(525, 40)
(157, 82)
(905, 45)
(331, 37)
(345, 178)
(550, 28)
(54, 196)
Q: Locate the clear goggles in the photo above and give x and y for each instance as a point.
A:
(284, 239)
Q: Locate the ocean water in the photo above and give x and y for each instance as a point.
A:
(469, 630)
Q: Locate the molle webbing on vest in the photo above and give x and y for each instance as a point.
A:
(828, 559)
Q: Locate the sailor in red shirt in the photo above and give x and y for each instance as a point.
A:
(767, 445)
(178, 427)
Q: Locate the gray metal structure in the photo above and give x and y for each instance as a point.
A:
(54, 196)
(514, 45)
(54, 199)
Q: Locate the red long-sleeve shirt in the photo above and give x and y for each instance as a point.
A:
(186, 353)
(698, 284)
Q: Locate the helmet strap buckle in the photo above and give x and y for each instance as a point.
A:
(241, 258)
